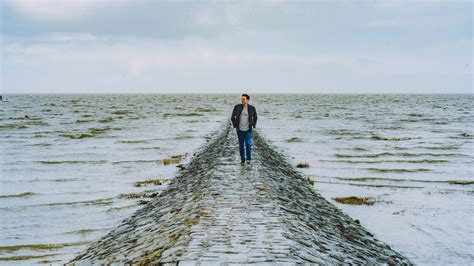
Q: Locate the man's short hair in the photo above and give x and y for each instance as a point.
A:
(246, 96)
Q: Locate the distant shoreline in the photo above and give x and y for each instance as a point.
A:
(228, 93)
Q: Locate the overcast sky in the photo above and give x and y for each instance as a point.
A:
(143, 46)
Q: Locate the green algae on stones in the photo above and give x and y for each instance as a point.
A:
(26, 257)
(461, 182)
(131, 196)
(294, 139)
(24, 194)
(41, 246)
(97, 202)
(182, 114)
(73, 162)
(106, 120)
(398, 170)
(365, 179)
(142, 202)
(120, 112)
(379, 185)
(48, 261)
(155, 181)
(175, 159)
(78, 136)
(310, 180)
(206, 109)
(143, 194)
(95, 130)
(303, 165)
(184, 137)
(121, 208)
(83, 121)
(171, 161)
(85, 231)
(356, 200)
(133, 141)
(370, 185)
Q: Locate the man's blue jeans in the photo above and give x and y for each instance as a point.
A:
(245, 136)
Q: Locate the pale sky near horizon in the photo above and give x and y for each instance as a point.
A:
(144, 46)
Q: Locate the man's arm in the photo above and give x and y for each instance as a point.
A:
(232, 118)
(255, 117)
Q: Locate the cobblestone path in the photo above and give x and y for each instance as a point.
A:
(219, 212)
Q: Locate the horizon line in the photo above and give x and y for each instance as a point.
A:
(229, 93)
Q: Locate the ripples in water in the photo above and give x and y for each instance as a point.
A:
(79, 156)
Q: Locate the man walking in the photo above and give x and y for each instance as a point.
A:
(244, 117)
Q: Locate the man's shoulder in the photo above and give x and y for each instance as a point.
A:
(251, 106)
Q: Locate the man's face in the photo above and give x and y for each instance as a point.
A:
(244, 100)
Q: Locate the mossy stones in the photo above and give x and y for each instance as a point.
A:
(356, 200)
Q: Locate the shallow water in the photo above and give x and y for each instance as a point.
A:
(67, 168)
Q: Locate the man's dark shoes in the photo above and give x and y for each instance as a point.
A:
(242, 162)
(247, 162)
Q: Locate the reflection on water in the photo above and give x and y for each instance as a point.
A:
(69, 167)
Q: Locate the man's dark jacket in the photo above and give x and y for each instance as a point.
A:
(236, 115)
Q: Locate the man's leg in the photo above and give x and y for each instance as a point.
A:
(248, 144)
(240, 136)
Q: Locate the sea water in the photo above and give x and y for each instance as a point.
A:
(69, 163)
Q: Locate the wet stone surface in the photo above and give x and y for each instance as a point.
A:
(217, 211)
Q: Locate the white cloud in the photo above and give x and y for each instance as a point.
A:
(54, 10)
(71, 37)
(421, 21)
(205, 18)
(273, 46)
(135, 67)
(220, 16)
(154, 66)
